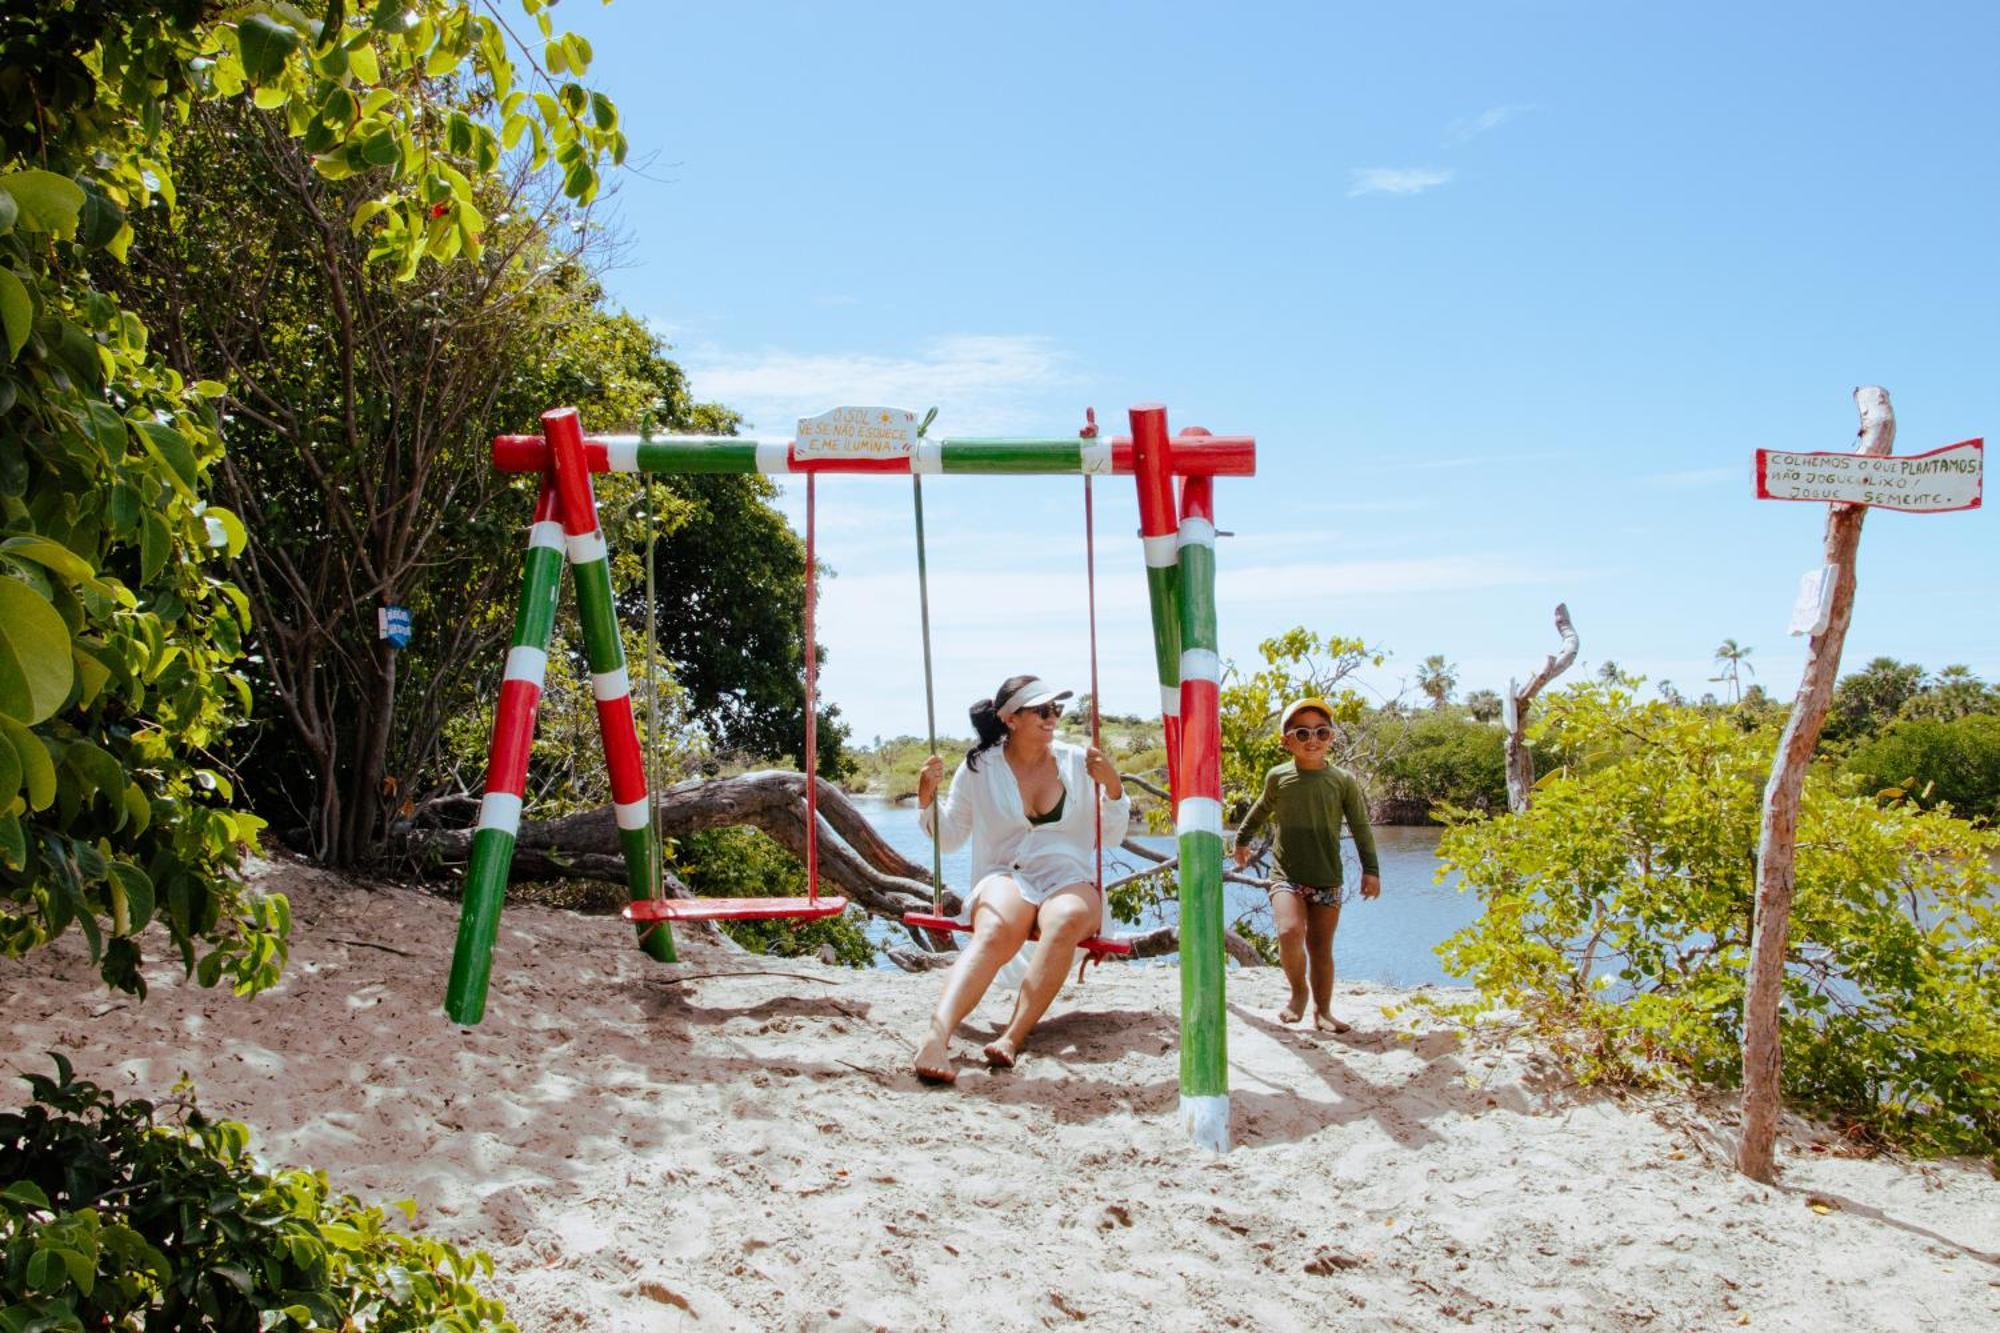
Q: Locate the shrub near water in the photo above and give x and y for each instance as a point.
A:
(115, 1216)
(1618, 914)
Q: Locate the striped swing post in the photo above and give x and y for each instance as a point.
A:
(1152, 467)
(610, 683)
(1198, 829)
(507, 764)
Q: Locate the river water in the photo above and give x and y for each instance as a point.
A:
(1391, 940)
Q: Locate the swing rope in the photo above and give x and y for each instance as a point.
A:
(1090, 581)
(930, 691)
(812, 706)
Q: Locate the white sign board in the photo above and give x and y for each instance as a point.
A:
(1933, 483)
(857, 432)
(1815, 605)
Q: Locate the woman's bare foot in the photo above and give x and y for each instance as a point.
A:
(1294, 1010)
(1326, 1022)
(933, 1064)
(1001, 1053)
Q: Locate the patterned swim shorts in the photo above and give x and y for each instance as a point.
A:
(1314, 897)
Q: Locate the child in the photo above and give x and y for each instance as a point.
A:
(1307, 798)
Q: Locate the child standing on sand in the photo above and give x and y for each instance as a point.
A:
(1307, 798)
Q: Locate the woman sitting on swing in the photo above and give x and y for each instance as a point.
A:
(1031, 807)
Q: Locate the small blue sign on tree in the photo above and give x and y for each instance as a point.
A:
(393, 623)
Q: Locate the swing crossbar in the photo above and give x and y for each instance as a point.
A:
(733, 909)
(1187, 455)
(1101, 945)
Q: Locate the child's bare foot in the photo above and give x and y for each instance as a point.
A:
(1326, 1022)
(933, 1064)
(1001, 1053)
(1294, 1010)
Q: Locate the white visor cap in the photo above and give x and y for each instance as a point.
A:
(1032, 695)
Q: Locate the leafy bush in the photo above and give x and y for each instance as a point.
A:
(1955, 763)
(1618, 913)
(743, 863)
(123, 1215)
(1448, 760)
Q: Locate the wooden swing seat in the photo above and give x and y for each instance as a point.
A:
(734, 909)
(1102, 946)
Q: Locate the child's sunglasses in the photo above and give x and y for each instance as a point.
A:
(1319, 733)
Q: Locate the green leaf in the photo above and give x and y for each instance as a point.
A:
(266, 45)
(38, 771)
(9, 212)
(28, 1192)
(10, 769)
(225, 530)
(13, 843)
(138, 809)
(154, 543)
(35, 670)
(171, 448)
(361, 60)
(48, 202)
(50, 555)
(99, 221)
(17, 310)
(138, 890)
(97, 769)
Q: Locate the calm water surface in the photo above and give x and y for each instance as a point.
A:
(1390, 940)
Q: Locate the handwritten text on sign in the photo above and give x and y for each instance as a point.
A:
(1933, 483)
(857, 432)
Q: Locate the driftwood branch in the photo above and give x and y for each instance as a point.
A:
(853, 857)
(1778, 835)
(1520, 761)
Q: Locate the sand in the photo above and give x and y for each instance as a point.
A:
(659, 1147)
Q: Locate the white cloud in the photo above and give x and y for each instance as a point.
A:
(1471, 127)
(983, 382)
(1395, 180)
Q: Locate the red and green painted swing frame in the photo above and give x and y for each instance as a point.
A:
(1177, 532)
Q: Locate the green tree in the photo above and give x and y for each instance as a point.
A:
(1733, 659)
(1954, 693)
(1617, 921)
(1444, 760)
(1297, 663)
(1932, 762)
(364, 376)
(1437, 678)
(1867, 700)
(1483, 705)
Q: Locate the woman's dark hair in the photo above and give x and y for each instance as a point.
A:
(986, 721)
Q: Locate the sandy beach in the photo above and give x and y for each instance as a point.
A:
(733, 1142)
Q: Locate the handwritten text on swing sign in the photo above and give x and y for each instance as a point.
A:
(1934, 483)
(857, 432)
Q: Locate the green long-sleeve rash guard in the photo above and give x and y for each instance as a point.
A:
(1307, 806)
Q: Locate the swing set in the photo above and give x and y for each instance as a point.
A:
(1178, 536)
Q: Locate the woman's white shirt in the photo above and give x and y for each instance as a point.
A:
(985, 804)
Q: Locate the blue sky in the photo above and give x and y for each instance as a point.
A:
(1507, 292)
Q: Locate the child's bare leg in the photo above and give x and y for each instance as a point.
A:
(1288, 918)
(1321, 922)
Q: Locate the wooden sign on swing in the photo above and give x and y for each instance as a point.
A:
(857, 432)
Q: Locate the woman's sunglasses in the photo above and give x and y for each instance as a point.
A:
(1320, 733)
(1048, 711)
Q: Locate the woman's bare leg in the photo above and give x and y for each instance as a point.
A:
(1320, 925)
(1001, 920)
(1065, 918)
(1288, 918)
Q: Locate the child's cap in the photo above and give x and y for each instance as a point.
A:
(1300, 705)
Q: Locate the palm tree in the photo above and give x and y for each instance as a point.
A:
(1437, 678)
(1730, 656)
(1610, 674)
(1484, 705)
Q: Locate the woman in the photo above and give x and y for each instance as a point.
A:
(1029, 805)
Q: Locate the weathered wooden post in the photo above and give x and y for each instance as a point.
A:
(1935, 482)
(1514, 713)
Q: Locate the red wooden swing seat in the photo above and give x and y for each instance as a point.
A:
(733, 909)
(1102, 946)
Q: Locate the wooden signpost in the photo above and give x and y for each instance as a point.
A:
(1942, 480)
